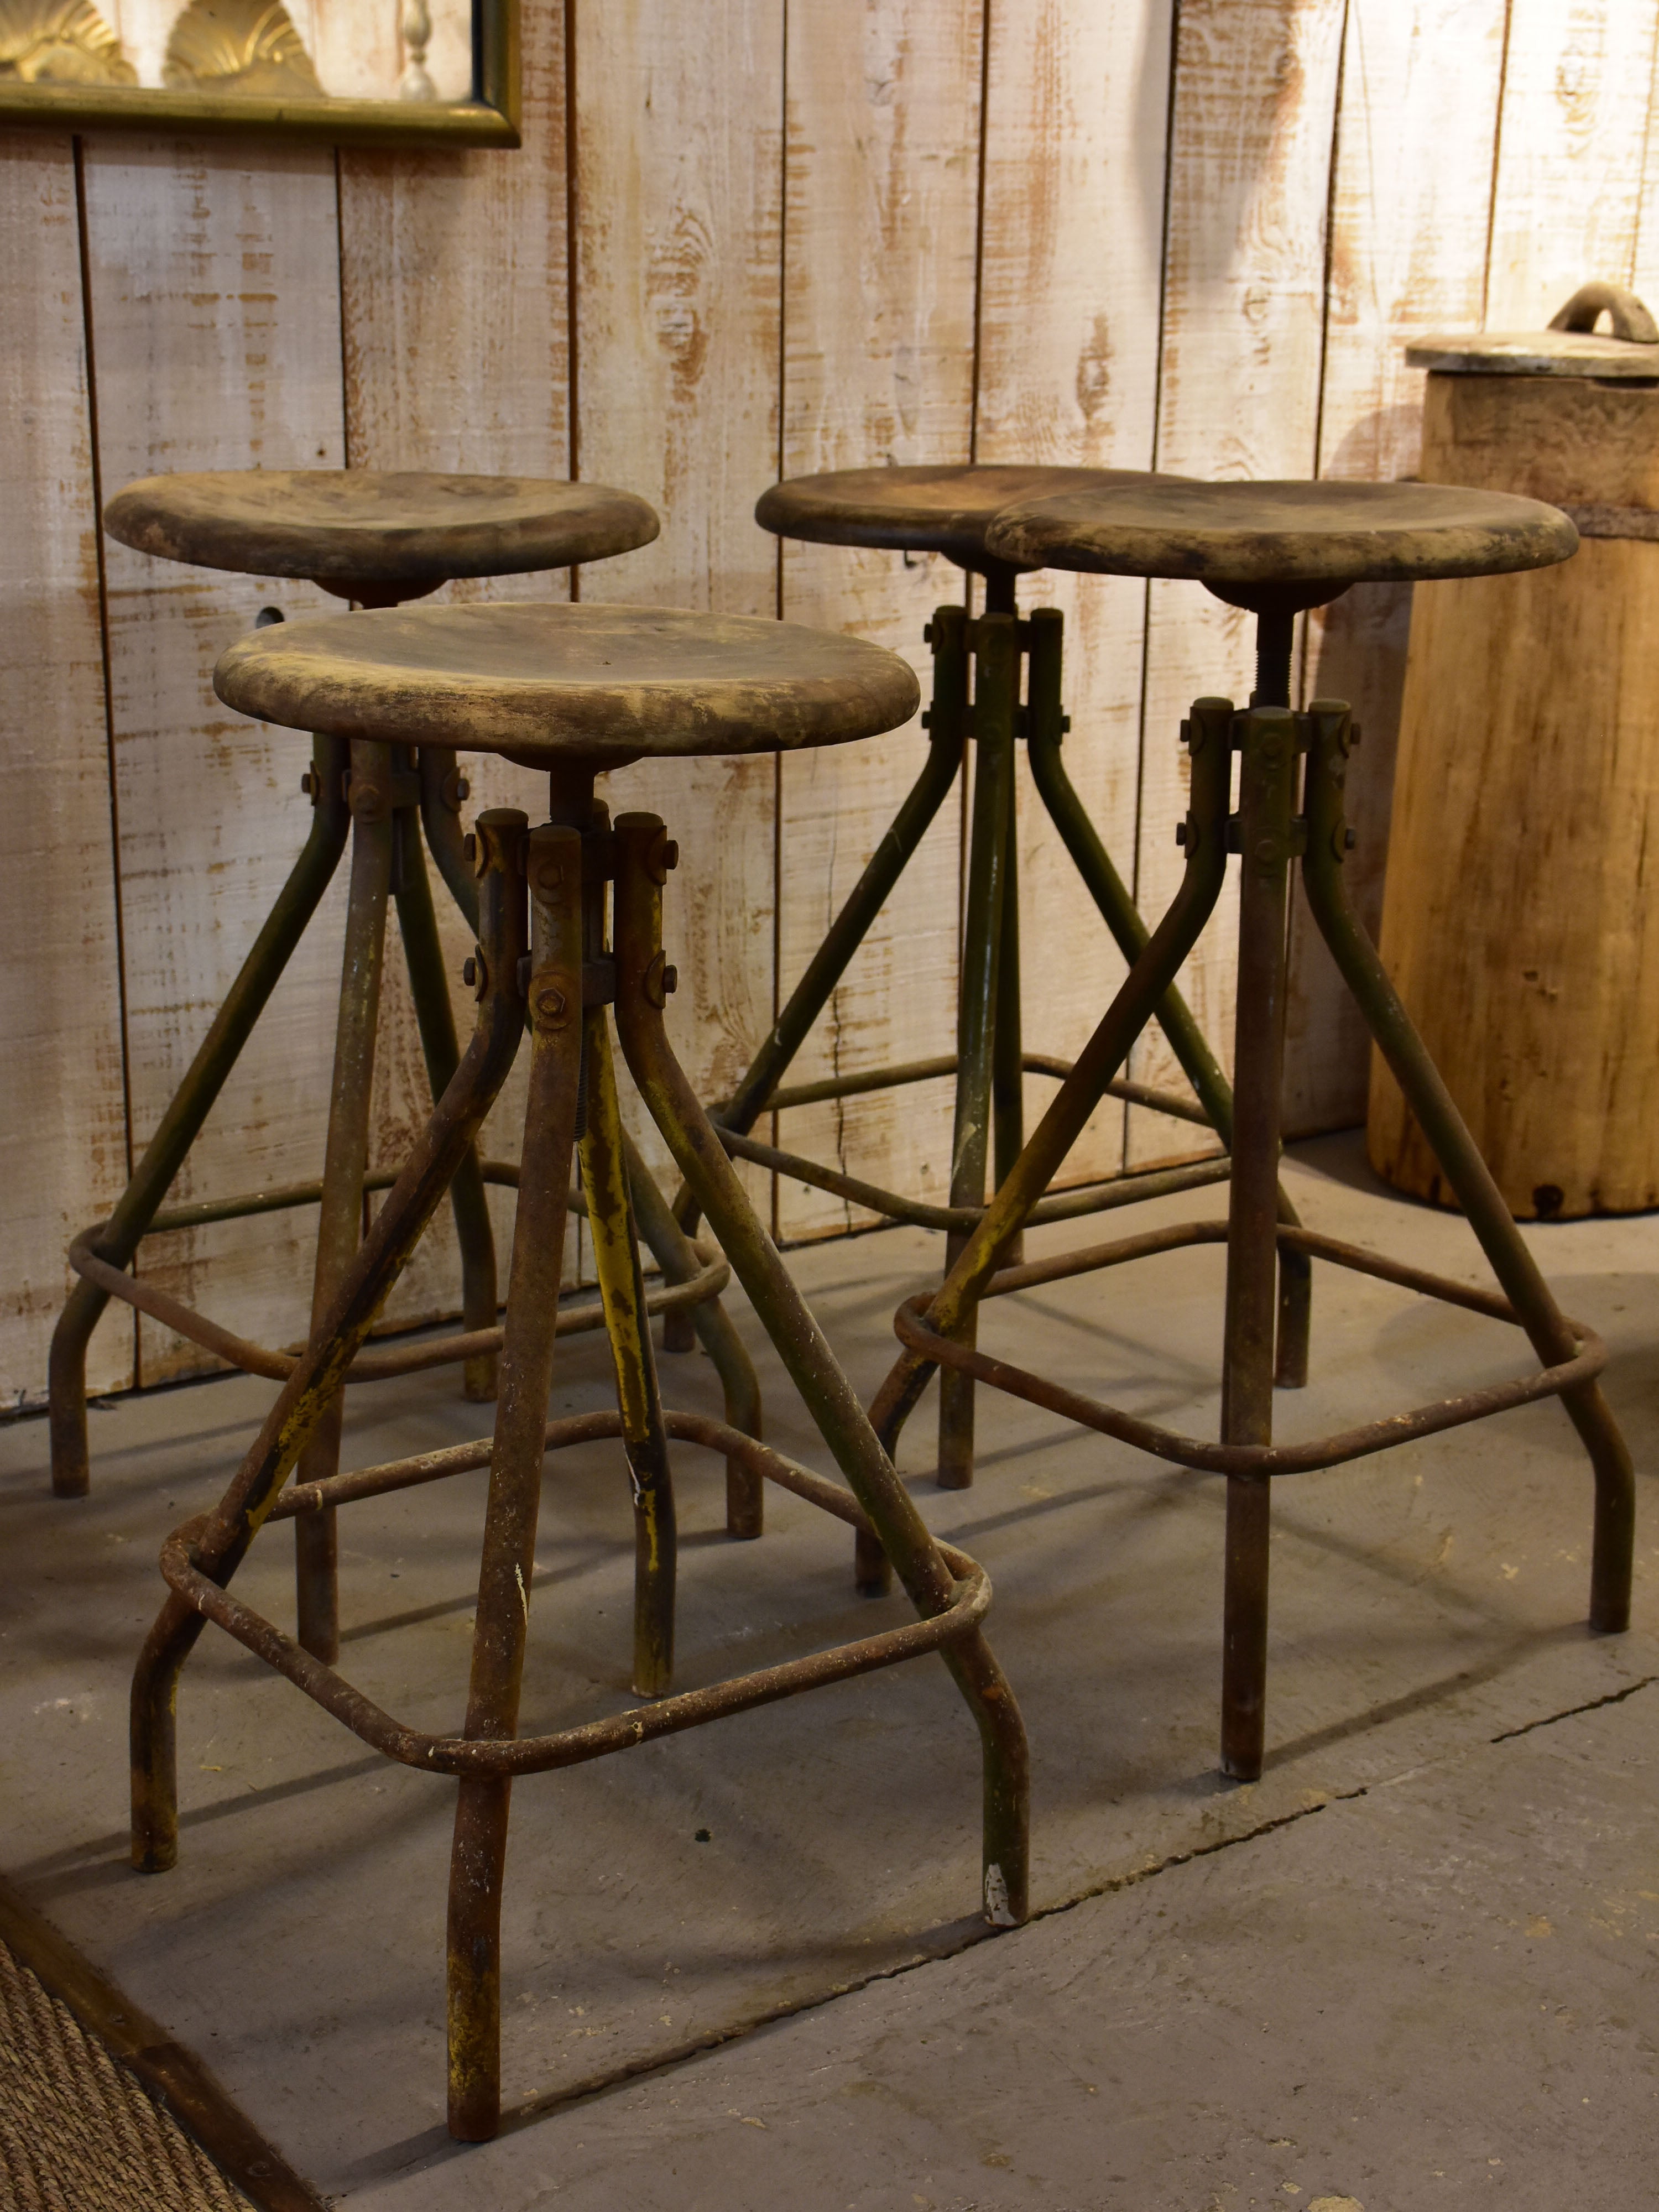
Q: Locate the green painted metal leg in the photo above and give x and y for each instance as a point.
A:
(1046, 726)
(824, 1389)
(714, 1330)
(1008, 1074)
(1208, 737)
(996, 686)
(622, 1287)
(479, 1852)
(223, 1537)
(345, 1163)
(1267, 804)
(433, 1011)
(1471, 1181)
(946, 726)
(190, 1104)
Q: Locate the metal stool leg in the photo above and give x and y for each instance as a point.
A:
(1471, 1181)
(827, 1393)
(179, 1126)
(995, 690)
(1046, 726)
(1208, 735)
(479, 1853)
(1266, 803)
(616, 1261)
(429, 987)
(345, 1162)
(713, 1329)
(947, 728)
(220, 1541)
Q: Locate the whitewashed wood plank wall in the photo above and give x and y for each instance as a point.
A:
(772, 236)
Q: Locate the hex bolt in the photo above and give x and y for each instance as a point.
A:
(670, 979)
(1267, 849)
(547, 1003)
(307, 782)
(1181, 833)
(1349, 840)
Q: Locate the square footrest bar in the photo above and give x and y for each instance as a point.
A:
(581, 1315)
(910, 1325)
(669, 1716)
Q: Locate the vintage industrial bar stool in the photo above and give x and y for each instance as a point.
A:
(1275, 549)
(379, 539)
(575, 690)
(977, 693)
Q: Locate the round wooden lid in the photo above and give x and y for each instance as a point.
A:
(559, 683)
(344, 526)
(1535, 353)
(920, 510)
(1316, 538)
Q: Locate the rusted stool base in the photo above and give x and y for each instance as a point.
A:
(560, 974)
(990, 1060)
(1271, 836)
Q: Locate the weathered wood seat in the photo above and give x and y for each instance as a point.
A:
(376, 536)
(925, 509)
(1283, 544)
(543, 684)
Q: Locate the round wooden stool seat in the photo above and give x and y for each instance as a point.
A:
(547, 685)
(346, 529)
(1279, 544)
(924, 510)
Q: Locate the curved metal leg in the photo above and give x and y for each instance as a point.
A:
(1467, 1173)
(616, 1261)
(190, 1104)
(479, 1852)
(714, 1330)
(1046, 726)
(345, 1163)
(227, 1533)
(1208, 735)
(827, 1396)
(947, 721)
(996, 686)
(1266, 802)
(429, 987)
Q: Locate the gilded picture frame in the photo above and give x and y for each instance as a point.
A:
(376, 72)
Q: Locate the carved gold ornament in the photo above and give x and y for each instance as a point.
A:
(59, 42)
(247, 47)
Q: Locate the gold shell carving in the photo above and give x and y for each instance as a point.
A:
(248, 47)
(59, 42)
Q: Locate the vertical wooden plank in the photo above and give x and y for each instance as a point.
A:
(1077, 103)
(215, 289)
(455, 320)
(1250, 177)
(1577, 88)
(679, 213)
(1410, 208)
(882, 175)
(62, 1114)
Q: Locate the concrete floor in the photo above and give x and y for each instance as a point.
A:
(1408, 1968)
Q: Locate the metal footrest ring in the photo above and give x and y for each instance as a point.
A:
(1264, 1460)
(669, 1716)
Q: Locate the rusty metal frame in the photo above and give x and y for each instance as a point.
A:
(374, 798)
(976, 685)
(1271, 837)
(543, 963)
